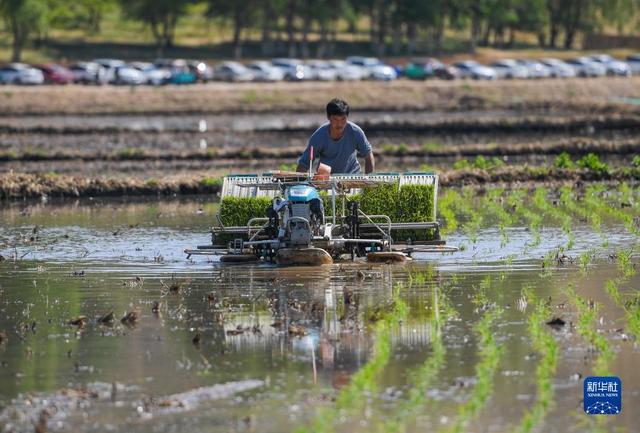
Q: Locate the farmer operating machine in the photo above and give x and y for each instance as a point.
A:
(311, 220)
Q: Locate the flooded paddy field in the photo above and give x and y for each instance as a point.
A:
(106, 326)
(154, 145)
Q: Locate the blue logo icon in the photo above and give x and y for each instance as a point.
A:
(602, 395)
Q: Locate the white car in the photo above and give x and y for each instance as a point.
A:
(585, 67)
(88, 73)
(535, 68)
(347, 72)
(473, 69)
(558, 68)
(265, 71)
(634, 63)
(19, 73)
(375, 68)
(613, 66)
(322, 70)
(293, 69)
(232, 71)
(508, 68)
(152, 74)
(125, 75)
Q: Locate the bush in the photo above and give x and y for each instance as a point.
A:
(563, 161)
(593, 163)
(636, 161)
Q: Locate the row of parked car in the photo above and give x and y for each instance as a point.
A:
(171, 71)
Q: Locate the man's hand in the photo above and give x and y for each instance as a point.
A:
(369, 163)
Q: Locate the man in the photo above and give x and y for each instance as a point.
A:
(337, 143)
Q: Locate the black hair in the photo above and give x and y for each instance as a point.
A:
(337, 107)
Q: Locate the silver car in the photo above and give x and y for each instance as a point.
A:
(558, 68)
(232, 71)
(265, 71)
(535, 68)
(634, 63)
(613, 66)
(473, 69)
(508, 68)
(19, 73)
(585, 67)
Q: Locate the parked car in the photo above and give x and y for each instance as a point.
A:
(535, 69)
(420, 69)
(613, 66)
(109, 63)
(232, 71)
(374, 67)
(474, 70)
(181, 73)
(508, 68)
(265, 71)
(293, 69)
(634, 63)
(585, 67)
(88, 73)
(56, 74)
(19, 73)
(558, 68)
(347, 72)
(152, 74)
(203, 72)
(125, 75)
(322, 70)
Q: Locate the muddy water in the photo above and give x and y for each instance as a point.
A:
(248, 372)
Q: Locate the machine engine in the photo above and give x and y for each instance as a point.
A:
(299, 217)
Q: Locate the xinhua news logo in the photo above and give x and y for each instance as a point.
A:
(602, 395)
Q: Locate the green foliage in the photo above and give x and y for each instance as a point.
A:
(480, 163)
(564, 161)
(592, 162)
(209, 182)
(636, 161)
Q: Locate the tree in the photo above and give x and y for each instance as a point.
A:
(241, 13)
(161, 16)
(23, 18)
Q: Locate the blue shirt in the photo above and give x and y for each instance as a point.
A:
(340, 154)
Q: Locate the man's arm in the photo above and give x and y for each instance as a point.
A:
(369, 163)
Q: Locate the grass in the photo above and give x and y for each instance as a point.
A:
(545, 344)
(541, 202)
(493, 204)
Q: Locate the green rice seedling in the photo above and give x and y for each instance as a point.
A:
(586, 326)
(492, 204)
(545, 344)
(523, 213)
(447, 205)
(237, 211)
(584, 260)
(624, 262)
(490, 353)
(541, 202)
(592, 162)
(475, 219)
(351, 398)
(564, 161)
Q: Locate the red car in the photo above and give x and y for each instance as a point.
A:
(56, 74)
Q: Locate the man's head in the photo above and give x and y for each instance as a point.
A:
(337, 113)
